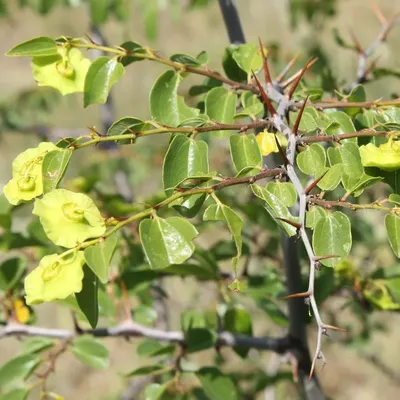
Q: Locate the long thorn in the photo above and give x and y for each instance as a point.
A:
(378, 13)
(267, 75)
(319, 258)
(281, 152)
(312, 185)
(335, 328)
(357, 45)
(296, 82)
(295, 296)
(288, 221)
(299, 115)
(266, 99)
(287, 68)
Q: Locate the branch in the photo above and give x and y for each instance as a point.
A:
(377, 205)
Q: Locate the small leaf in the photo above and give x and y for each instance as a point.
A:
(38, 47)
(238, 320)
(36, 345)
(17, 369)
(216, 385)
(198, 339)
(126, 126)
(332, 178)
(245, 152)
(248, 57)
(312, 160)
(185, 59)
(220, 106)
(53, 168)
(87, 298)
(392, 225)
(357, 184)
(314, 215)
(154, 391)
(90, 351)
(347, 154)
(343, 124)
(145, 315)
(131, 47)
(185, 158)
(231, 69)
(189, 206)
(98, 257)
(149, 370)
(167, 241)
(165, 104)
(11, 272)
(332, 236)
(220, 212)
(103, 73)
(284, 191)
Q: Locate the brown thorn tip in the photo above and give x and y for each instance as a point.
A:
(312, 185)
(335, 328)
(287, 68)
(266, 99)
(281, 152)
(310, 62)
(319, 258)
(295, 296)
(357, 45)
(288, 221)
(299, 116)
(294, 76)
(267, 74)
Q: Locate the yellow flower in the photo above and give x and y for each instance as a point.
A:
(55, 278)
(27, 180)
(21, 311)
(386, 156)
(64, 72)
(267, 142)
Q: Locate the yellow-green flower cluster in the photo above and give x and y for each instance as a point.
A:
(386, 156)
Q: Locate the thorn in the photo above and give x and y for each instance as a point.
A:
(299, 116)
(371, 66)
(288, 221)
(312, 185)
(319, 258)
(357, 45)
(90, 39)
(266, 99)
(281, 152)
(287, 68)
(298, 78)
(378, 13)
(267, 75)
(312, 368)
(296, 295)
(335, 328)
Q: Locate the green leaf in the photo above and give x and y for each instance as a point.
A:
(216, 385)
(238, 320)
(392, 225)
(332, 178)
(231, 69)
(36, 345)
(221, 212)
(98, 257)
(154, 391)
(220, 106)
(145, 315)
(165, 104)
(332, 236)
(150, 348)
(343, 124)
(39, 47)
(11, 272)
(99, 10)
(53, 168)
(357, 184)
(314, 215)
(15, 394)
(245, 152)
(198, 339)
(284, 191)
(252, 106)
(185, 59)
(17, 369)
(347, 154)
(189, 206)
(90, 351)
(312, 160)
(395, 199)
(185, 158)
(87, 298)
(131, 47)
(248, 57)
(103, 73)
(275, 208)
(149, 370)
(167, 241)
(126, 126)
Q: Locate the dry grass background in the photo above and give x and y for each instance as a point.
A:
(347, 376)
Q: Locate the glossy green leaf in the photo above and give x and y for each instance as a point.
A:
(332, 178)
(312, 160)
(343, 124)
(356, 184)
(185, 158)
(154, 391)
(166, 106)
(150, 348)
(126, 126)
(11, 272)
(36, 345)
(189, 206)
(167, 241)
(149, 370)
(131, 47)
(395, 199)
(252, 106)
(98, 257)
(220, 106)
(238, 320)
(245, 152)
(87, 298)
(17, 369)
(38, 47)
(284, 191)
(347, 154)
(314, 215)
(275, 208)
(15, 394)
(91, 352)
(185, 59)
(332, 236)
(216, 385)
(221, 212)
(248, 57)
(54, 166)
(103, 73)
(231, 69)
(392, 225)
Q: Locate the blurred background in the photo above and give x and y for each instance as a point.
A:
(188, 27)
